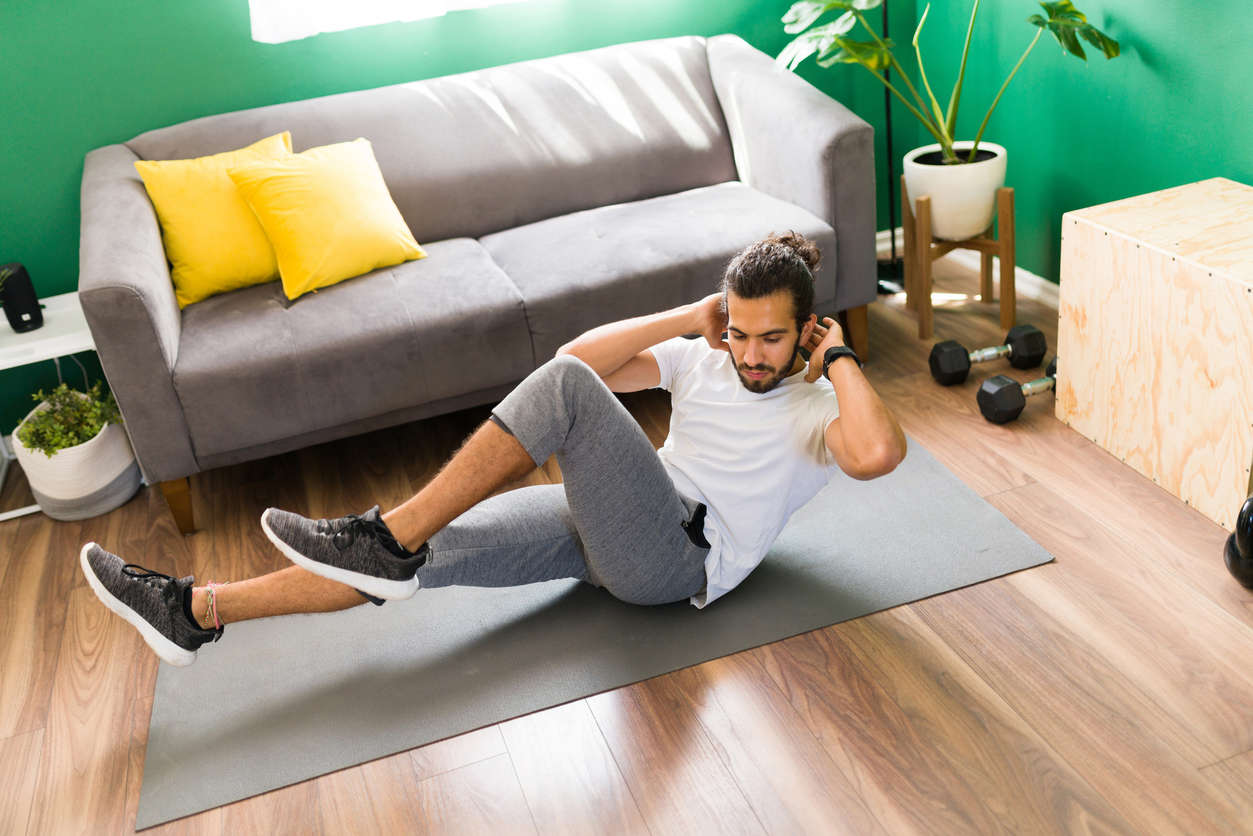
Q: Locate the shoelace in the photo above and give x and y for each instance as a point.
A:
(170, 590)
(146, 575)
(353, 525)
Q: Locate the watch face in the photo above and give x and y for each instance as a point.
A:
(834, 353)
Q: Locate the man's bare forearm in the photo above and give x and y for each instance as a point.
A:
(866, 424)
(606, 348)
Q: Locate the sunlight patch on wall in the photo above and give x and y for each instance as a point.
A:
(279, 21)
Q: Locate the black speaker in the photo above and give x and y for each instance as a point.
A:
(17, 295)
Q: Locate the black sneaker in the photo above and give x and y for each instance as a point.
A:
(355, 550)
(156, 605)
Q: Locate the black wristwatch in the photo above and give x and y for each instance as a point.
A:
(834, 353)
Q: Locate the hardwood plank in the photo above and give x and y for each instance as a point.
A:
(1115, 735)
(15, 492)
(32, 598)
(456, 752)
(375, 797)
(1163, 634)
(1164, 530)
(482, 798)
(939, 418)
(1233, 777)
(673, 770)
(891, 752)
(568, 775)
(81, 782)
(17, 755)
(289, 810)
(11, 498)
(967, 731)
(783, 769)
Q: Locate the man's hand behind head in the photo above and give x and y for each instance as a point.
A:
(712, 321)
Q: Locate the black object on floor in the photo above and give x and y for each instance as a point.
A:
(892, 275)
(1001, 398)
(1024, 346)
(1239, 552)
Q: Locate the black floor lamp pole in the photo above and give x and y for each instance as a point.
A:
(892, 269)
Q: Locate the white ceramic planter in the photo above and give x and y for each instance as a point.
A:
(963, 197)
(83, 481)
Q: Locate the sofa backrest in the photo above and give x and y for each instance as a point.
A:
(469, 154)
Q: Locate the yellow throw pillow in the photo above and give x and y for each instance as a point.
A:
(328, 215)
(212, 239)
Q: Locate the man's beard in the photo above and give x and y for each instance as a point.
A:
(765, 384)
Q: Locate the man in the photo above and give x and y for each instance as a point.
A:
(754, 434)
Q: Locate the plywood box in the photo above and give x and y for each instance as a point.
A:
(1155, 338)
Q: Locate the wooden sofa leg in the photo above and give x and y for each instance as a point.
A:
(857, 330)
(177, 493)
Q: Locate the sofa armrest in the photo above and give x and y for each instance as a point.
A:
(128, 300)
(796, 143)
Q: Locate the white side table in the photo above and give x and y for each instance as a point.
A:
(64, 332)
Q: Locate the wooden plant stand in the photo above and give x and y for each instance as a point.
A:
(921, 249)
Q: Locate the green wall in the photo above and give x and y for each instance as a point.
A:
(80, 74)
(1175, 107)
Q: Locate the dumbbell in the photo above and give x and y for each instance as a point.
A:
(1001, 399)
(1025, 346)
(1239, 552)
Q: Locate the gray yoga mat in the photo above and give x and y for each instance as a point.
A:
(281, 700)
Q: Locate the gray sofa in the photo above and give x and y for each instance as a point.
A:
(551, 196)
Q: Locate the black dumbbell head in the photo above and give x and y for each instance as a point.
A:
(1238, 554)
(1028, 346)
(1051, 371)
(950, 362)
(1001, 399)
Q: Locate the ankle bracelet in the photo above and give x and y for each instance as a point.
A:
(211, 607)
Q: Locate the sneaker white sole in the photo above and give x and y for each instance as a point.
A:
(162, 646)
(378, 587)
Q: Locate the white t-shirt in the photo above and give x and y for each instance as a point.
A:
(753, 459)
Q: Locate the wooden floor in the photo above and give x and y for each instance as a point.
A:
(1109, 691)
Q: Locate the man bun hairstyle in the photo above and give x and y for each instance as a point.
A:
(780, 262)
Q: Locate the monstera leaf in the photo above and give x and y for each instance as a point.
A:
(873, 55)
(802, 15)
(820, 40)
(1068, 25)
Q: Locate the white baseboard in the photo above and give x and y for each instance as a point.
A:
(1027, 285)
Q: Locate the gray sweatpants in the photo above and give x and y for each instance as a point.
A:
(616, 521)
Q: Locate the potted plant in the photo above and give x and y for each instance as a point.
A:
(960, 176)
(75, 453)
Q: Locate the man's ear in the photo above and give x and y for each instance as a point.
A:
(808, 327)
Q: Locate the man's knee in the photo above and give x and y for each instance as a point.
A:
(570, 371)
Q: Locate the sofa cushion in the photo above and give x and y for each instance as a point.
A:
(328, 214)
(468, 154)
(213, 241)
(253, 367)
(581, 270)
